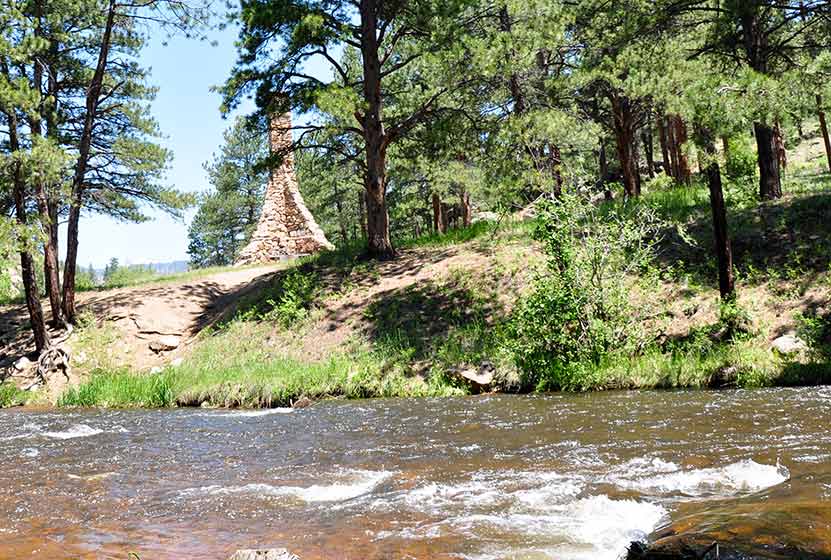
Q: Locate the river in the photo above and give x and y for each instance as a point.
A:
(493, 477)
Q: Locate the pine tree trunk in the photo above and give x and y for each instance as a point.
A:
(77, 198)
(724, 252)
(27, 263)
(646, 138)
(671, 146)
(625, 140)
(779, 143)
(50, 256)
(662, 140)
(379, 244)
(823, 126)
(725, 144)
(680, 137)
(438, 216)
(770, 186)
(362, 212)
(27, 268)
(467, 217)
(556, 163)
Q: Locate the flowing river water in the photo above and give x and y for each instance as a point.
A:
(539, 477)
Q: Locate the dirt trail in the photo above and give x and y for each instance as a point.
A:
(149, 314)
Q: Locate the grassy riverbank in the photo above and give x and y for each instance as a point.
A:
(336, 325)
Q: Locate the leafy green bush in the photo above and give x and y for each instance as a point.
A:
(815, 330)
(579, 308)
(11, 395)
(293, 299)
(741, 158)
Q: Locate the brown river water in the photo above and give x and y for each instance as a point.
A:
(494, 477)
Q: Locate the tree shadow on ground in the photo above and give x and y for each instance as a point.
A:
(782, 239)
(335, 273)
(447, 321)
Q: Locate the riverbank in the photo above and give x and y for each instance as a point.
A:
(441, 319)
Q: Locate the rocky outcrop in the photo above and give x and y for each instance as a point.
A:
(286, 227)
(791, 520)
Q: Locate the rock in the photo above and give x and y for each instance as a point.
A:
(165, 343)
(788, 344)
(485, 217)
(270, 554)
(302, 402)
(724, 377)
(23, 364)
(480, 380)
(177, 362)
(156, 370)
(789, 520)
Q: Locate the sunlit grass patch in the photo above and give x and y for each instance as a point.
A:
(12, 396)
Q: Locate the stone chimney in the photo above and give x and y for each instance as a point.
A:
(286, 227)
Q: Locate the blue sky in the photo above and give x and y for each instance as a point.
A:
(188, 114)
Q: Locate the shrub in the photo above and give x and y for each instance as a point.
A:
(741, 159)
(293, 299)
(579, 308)
(815, 330)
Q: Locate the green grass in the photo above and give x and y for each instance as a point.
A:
(451, 237)
(119, 389)
(236, 367)
(12, 396)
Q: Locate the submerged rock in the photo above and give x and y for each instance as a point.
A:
(270, 554)
(792, 520)
(302, 402)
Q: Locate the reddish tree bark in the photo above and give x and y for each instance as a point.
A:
(779, 144)
(663, 141)
(646, 138)
(624, 126)
(439, 222)
(823, 126)
(466, 209)
(680, 139)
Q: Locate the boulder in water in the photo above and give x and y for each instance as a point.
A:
(264, 554)
(790, 520)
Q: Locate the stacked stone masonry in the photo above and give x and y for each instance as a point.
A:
(286, 227)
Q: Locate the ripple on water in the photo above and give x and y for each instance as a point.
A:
(522, 509)
(356, 483)
(655, 476)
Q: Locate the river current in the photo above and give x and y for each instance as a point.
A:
(493, 477)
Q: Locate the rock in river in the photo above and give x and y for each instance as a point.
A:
(791, 520)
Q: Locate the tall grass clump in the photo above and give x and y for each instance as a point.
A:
(121, 389)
